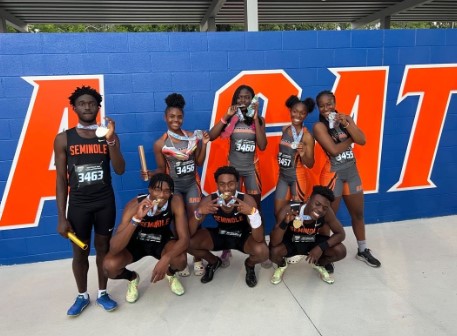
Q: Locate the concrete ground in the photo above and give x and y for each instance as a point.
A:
(413, 293)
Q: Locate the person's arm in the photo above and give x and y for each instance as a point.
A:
(325, 140)
(200, 154)
(216, 130)
(132, 215)
(286, 215)
(356, 133)
(249, 207)
(306, 150)
(60, 154)
(260, 134)
(114, 147)
(337, 237)
(160, 159)
(181, 244)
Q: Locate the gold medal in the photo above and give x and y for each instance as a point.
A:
(297, 223)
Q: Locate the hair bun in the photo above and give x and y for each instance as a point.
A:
(175, 100)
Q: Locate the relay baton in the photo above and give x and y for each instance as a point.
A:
(77, 241)
(144, 168)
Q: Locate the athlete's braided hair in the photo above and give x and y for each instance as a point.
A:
(175, 100)
(323, 191)
(85, 90)
(157, 180)
(226, 170)
(308, 102)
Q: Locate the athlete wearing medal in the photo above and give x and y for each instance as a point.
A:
(336, 132)
(179, 153)
(145, 230)
(246, 132)
(296, 155)
(296, 233)
(239, 226)
(85, 159)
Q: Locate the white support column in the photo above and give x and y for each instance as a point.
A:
(251, 15)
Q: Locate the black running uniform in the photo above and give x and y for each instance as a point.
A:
(232, 229)
(91, 198)
(302, 240)
(152, 233)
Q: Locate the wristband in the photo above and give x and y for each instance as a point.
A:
(198, 216)
(223, 121)
(135, 221)
(111, 143)
(255, 220)
(283, 225)
(323, 246)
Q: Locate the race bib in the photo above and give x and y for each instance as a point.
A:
(184, 168)
(149, 237)
(303, 239)
(347, 155)
(89, 174)
(245, 146)
(284, 160)
(236, 234)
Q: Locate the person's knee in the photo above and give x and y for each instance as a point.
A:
(340, 251)
(110, 265)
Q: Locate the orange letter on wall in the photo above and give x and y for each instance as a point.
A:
(32, 176)
(434, 85)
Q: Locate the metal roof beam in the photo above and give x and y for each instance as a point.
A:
(13, 21)
(209, 19)
(389, 11)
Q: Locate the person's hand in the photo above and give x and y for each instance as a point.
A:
(208, 206)
(255, 107)
(160, 269)
(314, 255)
(110, 124)
(343, 119)
(206, 138)
(143, 207)
(290, 215)
(301, 148)
(243, 207)
(63, 227)
(231, 111)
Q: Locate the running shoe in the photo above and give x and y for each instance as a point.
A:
(251, 279)
(80, 304)
(132, 290)
(106, 302)
(210, 270)
(368, 258)
(324, 274)
(277, 275)
(175, 285)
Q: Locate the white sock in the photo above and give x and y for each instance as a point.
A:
(101, 292)
(362, 245)
(84, 294)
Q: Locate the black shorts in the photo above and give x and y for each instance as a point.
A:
(228, 241)
(302, 248)
(100, 214)
(140, 249)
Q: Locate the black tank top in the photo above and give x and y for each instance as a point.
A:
(88, 163)
(309, 229)
(231, 221)
(157, 224)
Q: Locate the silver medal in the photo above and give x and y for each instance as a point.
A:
(101, 131)
(293, 145)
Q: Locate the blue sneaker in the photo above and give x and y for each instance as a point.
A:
(80, 304)
(106, 302)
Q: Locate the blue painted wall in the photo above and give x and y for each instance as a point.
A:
(141, 69)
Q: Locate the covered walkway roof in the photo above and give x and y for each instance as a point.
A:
(209, 13)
